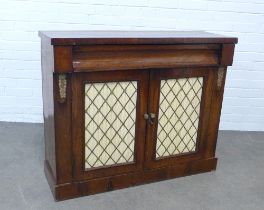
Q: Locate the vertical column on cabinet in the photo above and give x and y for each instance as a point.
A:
(62, 112)
(226, 59)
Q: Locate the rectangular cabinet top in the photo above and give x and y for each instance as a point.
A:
(134, 37)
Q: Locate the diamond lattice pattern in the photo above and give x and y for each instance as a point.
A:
(110, 114)
(179, 111)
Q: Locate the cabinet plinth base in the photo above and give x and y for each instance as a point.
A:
(93, 186)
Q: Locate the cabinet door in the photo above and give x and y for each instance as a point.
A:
(108, 123)
(179, 103)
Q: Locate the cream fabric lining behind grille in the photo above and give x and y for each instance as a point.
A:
(178, 120)
(110, 115)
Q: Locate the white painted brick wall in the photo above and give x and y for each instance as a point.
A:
(20, 21)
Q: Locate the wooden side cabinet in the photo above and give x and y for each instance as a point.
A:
(127, 108)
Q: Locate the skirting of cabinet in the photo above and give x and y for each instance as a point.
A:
(93, 186)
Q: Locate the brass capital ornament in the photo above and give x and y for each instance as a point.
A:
(62, 87)
(220, 77)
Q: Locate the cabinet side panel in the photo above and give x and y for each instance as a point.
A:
(48, 104)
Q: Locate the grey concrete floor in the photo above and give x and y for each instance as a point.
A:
(238, 182)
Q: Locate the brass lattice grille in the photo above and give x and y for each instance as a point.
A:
(179, 110)
(110, 114)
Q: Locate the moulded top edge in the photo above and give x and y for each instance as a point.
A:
(134, 37)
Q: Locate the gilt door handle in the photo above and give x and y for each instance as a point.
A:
(150, 117)
(146, 116)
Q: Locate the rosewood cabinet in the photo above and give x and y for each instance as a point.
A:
(127, 108)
